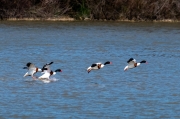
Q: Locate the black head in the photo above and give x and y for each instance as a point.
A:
(143, 61)
(108, 62)
(131, 59)
(58, 70)
(28, 64)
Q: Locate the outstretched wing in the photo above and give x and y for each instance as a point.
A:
(131, 60)
(46, 67)
(30, 66)
(93, 65)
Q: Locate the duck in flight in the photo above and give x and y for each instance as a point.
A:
(132, 64)
(96, 66)
(32, 69)
(47, 67)
(47, 72)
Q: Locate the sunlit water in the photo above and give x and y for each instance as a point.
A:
(149, 91)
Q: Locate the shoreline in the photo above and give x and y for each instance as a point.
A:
(65, 18)
(41, 19)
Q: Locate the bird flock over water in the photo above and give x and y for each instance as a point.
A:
(47, 72)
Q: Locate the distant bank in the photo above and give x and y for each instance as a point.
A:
(86, 19)
(94, 10)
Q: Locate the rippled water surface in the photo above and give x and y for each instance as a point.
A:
(149, 91)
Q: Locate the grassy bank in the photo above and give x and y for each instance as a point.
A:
(62, 10)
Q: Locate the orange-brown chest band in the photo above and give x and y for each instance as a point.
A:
(99, 66)
(51, 73)
(36, 69)
(135, 64)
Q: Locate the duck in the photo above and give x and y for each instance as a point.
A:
(47, 72)
(96, 66)
(47, 67)
(32, 69)
(132, 64)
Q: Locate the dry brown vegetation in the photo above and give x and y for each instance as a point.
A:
(93, 9)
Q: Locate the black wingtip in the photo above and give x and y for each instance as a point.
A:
(131, 59)
(24, 67)
(93, 65)
(28, 64)
(51, 63)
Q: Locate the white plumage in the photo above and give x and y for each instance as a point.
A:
(47, 72)
(32, 69)
(97, 66)
(132, 64)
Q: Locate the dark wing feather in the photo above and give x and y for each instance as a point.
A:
(93, 65)
(28, 64)
(131, 59)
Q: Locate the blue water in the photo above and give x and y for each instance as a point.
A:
(149, 91)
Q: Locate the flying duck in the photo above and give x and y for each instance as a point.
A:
(32, 69)
(97, 66)
(47, 67)
(47, 72)
(132, 63)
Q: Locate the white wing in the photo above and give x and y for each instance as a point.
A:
(48, 68)
(131, 63)
(45, 76)
(30, 72)
(88, 68)
(32, 66)
(46, 71)
(26, 74)
(134, 60)
(101, 65)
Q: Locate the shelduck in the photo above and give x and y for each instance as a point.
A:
(132, 64)
(32, 69)
(96, 66)
(47, 72)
